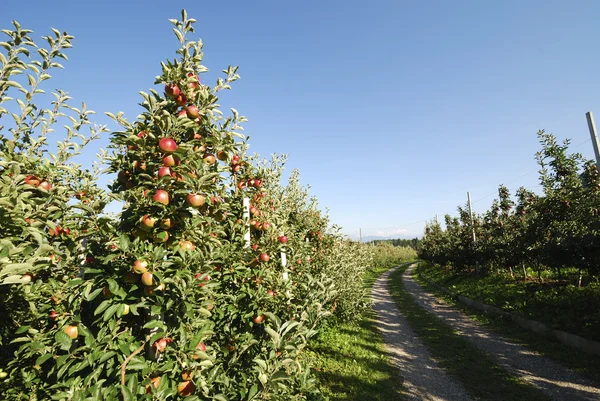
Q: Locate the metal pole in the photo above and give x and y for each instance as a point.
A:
(360, 235)
(472, 228)
(592, 127)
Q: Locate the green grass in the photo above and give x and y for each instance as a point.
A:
(350, 360)
(586, 365)
(351, 364)
(474, 369)
(557, 303)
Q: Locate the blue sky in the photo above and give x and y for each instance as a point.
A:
(391, 110)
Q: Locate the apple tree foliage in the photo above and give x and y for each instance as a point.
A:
(210, 282)
(556, 230)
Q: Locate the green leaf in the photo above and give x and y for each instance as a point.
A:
(43, 359)
(63, 340)
(253, 391)
(127, 394)
(110, 312)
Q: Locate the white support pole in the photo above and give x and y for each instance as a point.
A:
(594, 136)
(246, 204)
(360, 235)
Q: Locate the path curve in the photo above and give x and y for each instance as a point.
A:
(554, 379)
(423, 379)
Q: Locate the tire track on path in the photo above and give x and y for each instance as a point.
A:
(554, 379)
(423, 379)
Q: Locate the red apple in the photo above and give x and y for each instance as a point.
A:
(171, 160)
(32, 180)
(71, 331)
(45, 185)
(166, 223)
(266, 226)
(161, 196)
(271, 293)
(222, 155)
(258, 183)
(140, 266)
(192, 112)
(186, 388)
(167, 145)
(182, 113)
(258, 319)
(283, 239)
(164, 171)
(147, 279)
(264, 257)
(187, 246)
(172, 90)
(209, 158)
(181, 100)
(148, 222)
(160, 345)
(196, 200)
(161, 237)
(53, 315)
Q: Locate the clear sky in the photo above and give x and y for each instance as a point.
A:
(391, 110)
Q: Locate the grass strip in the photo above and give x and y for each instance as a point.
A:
(584, 364)
(473, 368)
(350, 360)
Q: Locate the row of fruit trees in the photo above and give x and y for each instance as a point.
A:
(553, 231)
(210, 282)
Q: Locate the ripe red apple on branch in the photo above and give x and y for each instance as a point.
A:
(195, 200)
(140, 266)
(147, 279)
(186, 388)
(32, 180)
(45, 185)
(71, 331)
(172, 90)
(165, 172)
(209, 158)
(148, 222)
(171, 160)
(192, 112)
(161, 196)
(167, 145)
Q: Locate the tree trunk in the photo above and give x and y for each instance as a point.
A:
(512, 274)
(580, 278)
(524, 272)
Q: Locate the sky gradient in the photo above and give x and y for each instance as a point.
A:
(391, 110)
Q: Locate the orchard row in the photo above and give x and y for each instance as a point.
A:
(210, 282)
(555, 230)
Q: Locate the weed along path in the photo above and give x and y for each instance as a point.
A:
(423, 379)
(556, 381)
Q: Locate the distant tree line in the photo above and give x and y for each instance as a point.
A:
(414, 243)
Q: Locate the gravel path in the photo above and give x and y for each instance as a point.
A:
(557, 381)
(423, 379)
